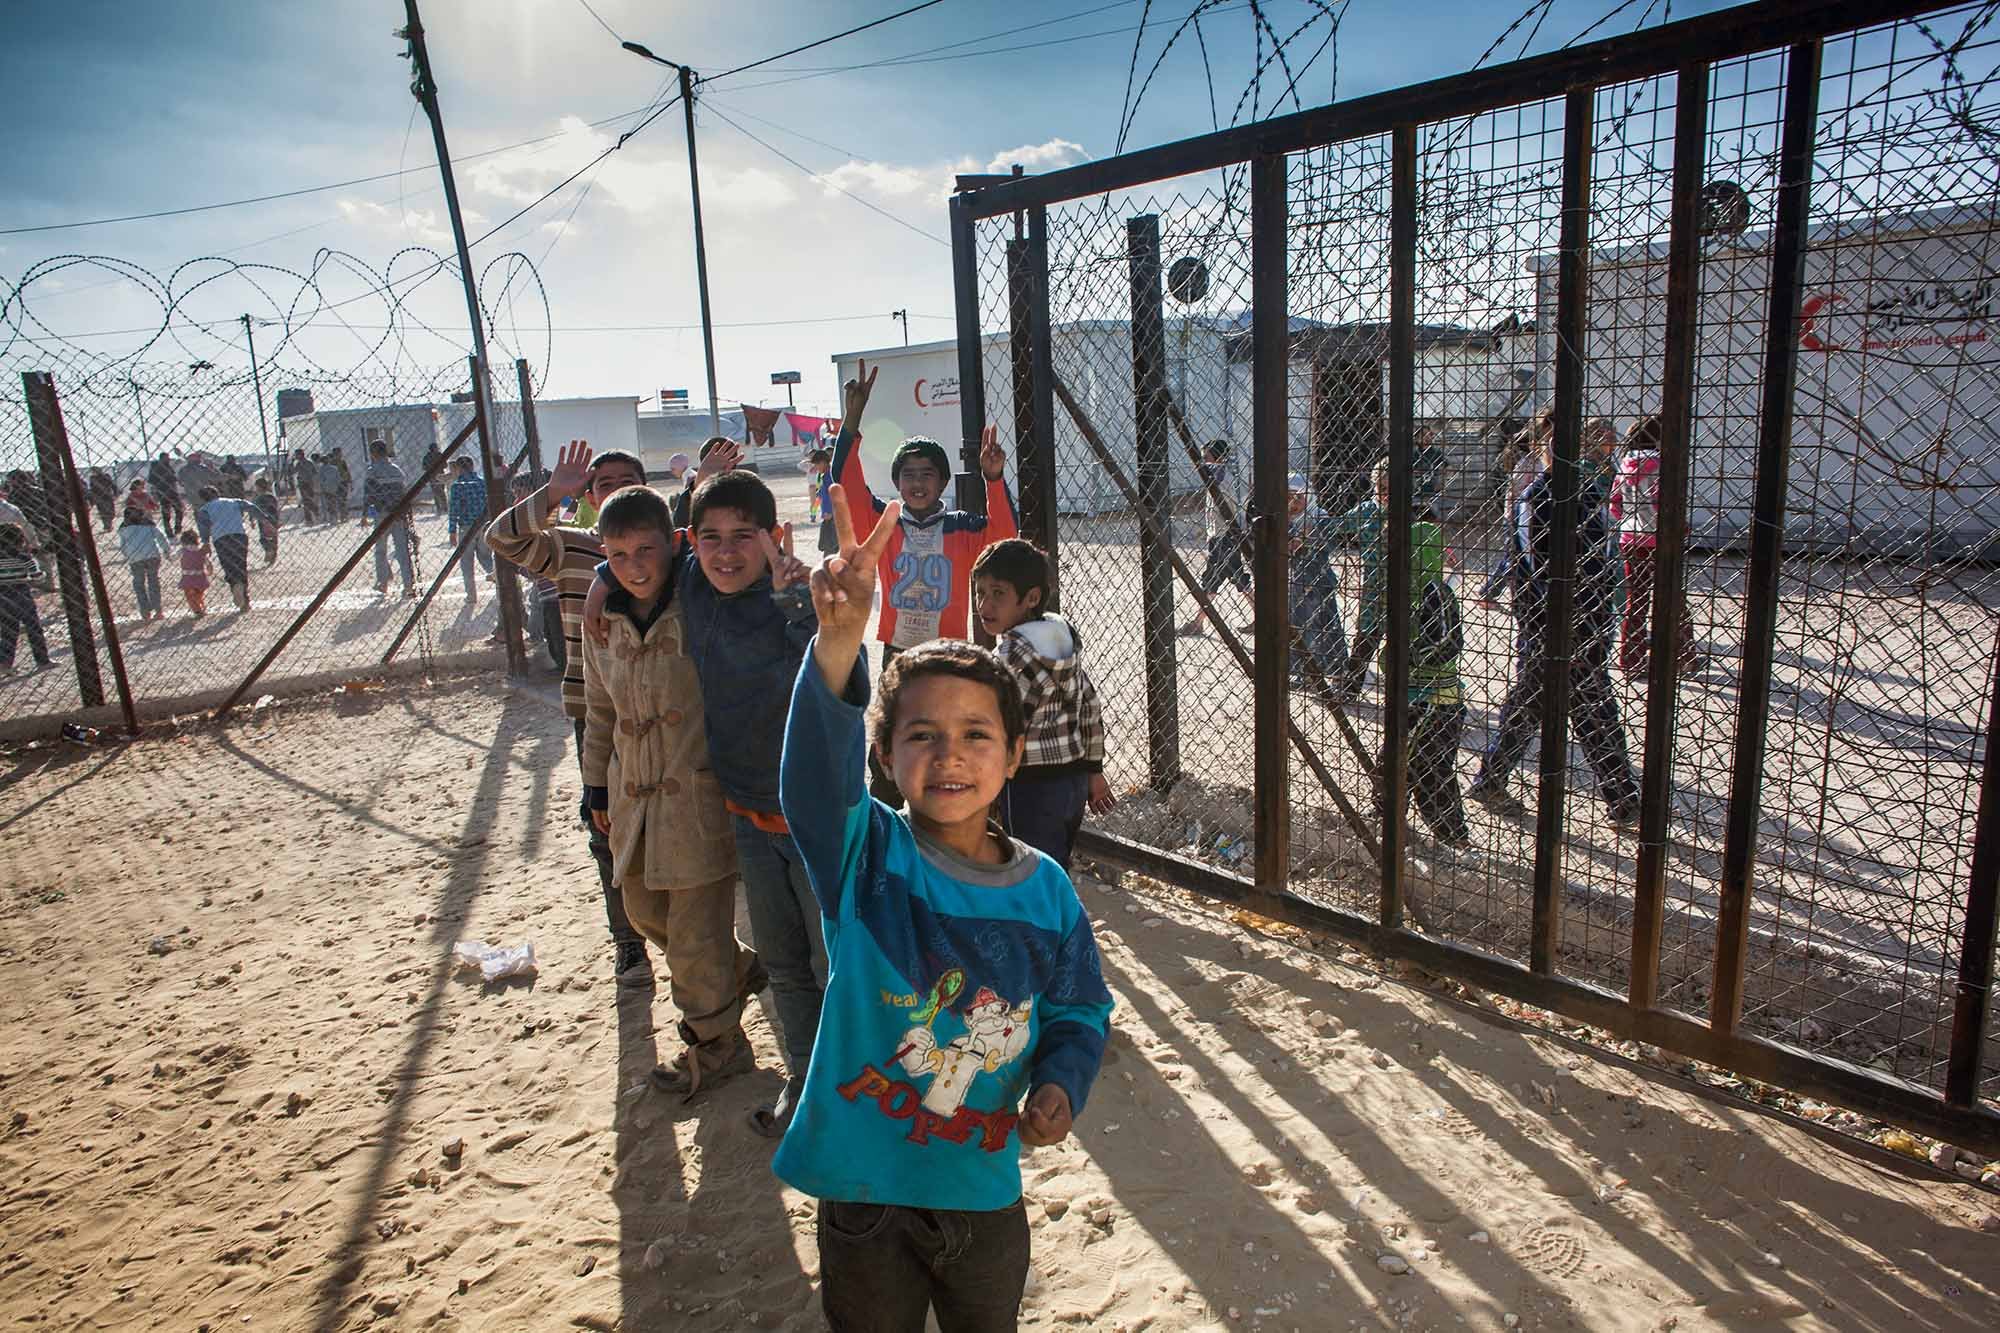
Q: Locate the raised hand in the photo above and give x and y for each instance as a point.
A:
(854, 395)
(992, 458)
(843, 589)
(786, 569)
(572, 472)
(725, 457)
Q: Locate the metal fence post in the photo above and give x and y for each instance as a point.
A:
(1974, 997)
(1393, 773)
(506, 588)
(534, 433)
(80, 507)
(1150, 454)
(50, 445)
(1566, 480)
(1270, 344)
(1670, 552)
(1033, 467)
(1041, 346)
(971, 374)
(1760, 621)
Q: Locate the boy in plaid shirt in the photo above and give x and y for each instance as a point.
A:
(1062, 770)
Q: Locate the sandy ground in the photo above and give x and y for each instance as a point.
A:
(234, 1046)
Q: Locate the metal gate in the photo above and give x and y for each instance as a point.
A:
(1758, 248)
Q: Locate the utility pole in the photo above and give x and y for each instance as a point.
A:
(425, 88)
(903, 315)
(257, 384)
(700, 248)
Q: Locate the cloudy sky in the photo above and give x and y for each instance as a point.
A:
(823, 175)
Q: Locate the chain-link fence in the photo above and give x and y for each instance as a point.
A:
(224, 486)
(1685, 407)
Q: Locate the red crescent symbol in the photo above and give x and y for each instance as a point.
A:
(917, 392)
(1808, 313)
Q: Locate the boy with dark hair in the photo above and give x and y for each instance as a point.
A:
(222, 521)
(964, 974)
(529, 535)
(1062, 766)
(653, 792)
(927, 563)
(465, 511)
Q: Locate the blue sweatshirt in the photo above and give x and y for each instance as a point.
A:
(953, 989)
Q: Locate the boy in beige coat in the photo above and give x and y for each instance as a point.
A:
(653, 793)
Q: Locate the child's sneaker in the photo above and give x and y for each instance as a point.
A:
(705, 1064)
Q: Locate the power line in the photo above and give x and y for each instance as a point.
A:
(305, 190)
(600, 21)
(554, 328)
(874, 23)
(910, 226)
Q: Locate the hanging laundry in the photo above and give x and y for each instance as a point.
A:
(806, 431)
(759, 423)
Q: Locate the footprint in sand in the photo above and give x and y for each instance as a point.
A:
(1552, 1251)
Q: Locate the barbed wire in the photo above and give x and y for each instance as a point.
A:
(286, 310)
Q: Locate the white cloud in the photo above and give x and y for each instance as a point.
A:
(878, 180)
(426, 226)
(1040, 156)
(627, 178)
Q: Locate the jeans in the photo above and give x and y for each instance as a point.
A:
(1225, 563)
(1635, 637)
(552, 634)
(600, 852)
(146, 585)
(1434, 730)
(475, 550)
(1593, 708)
(232, 555)
(399, 534)
(785, 921)
(1318, 631)
(881, 1266)
(1045, 812)
(18, 616)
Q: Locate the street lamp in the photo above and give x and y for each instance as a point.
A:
(700, 250)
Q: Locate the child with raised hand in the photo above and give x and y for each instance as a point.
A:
(654, 793)
(1062, 765)
(750, 620)
(964, 974)
(927, 564)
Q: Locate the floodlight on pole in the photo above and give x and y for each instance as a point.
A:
(700, 248)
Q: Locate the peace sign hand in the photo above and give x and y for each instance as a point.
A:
(855, 394)
(992, 458)
(843, 590)
(786, 569)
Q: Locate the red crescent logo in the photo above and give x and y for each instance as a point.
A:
(917, 392)
(1808, 316)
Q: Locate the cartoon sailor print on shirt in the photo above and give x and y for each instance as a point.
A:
(995, 1035)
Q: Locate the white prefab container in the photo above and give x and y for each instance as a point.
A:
(917, 392)
(1893, 444)
(607, 423)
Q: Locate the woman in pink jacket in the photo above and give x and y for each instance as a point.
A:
(1635, 506)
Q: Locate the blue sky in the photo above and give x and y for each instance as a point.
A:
(127, 108)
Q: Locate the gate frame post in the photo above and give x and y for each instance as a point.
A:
(1767, 526)
(1029, 353)
(1670, 550)
(1270, 358)
(1394, 770)
(1150, 457)
(533, 446)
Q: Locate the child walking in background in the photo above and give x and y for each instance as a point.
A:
(144, 547)
(1319, 639)
(20, 573)
(1226, 540)
(1635, 506)
(1062, 766)
(964, 974)
(194, 573)
(267, 531)
(654, 793)
(1434, 708)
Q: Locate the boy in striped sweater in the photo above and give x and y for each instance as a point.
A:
(19, 573)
